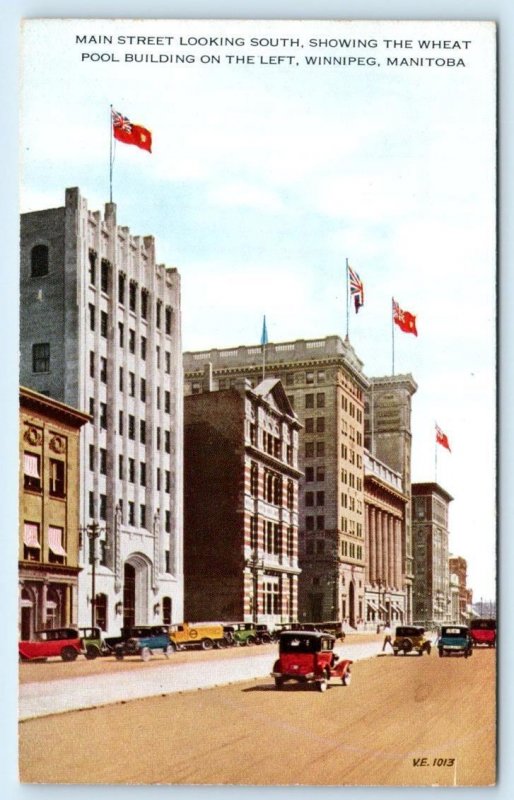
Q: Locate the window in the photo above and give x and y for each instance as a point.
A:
(103, 415)
(167, 441)
(132, 384)
(105, 268)
(320, 498)
(320, 523)
(143, 348)
(167, 320)
(309, 474)
(309, 449)
(309, 425)
(57, 478)
(132, 295)
(167, 528)
(103, 461)
(320, 425)
(320, 399)
(91, 317)
(56, 551)
(143, 390)
(103, 507)
(32, 472)
(167, 402)
(103, 369)
(39, 261)
(142, 515)
(158, 398)
(290, 495)
(167, 561)
(92, 406)
(131, 426)
(144, 303)
(120, 423)
(254, 533)
(142, 431)
(131, 470)
(131, 513)
(158, 479)
(91, 457)
(103, 324)
(120, 382)
(167, 485)
(320, 473)
(254, 480)
(121, 288)
(121, 336)
(158, 356)
(31, 542)
(320, 546)
(309, 378)
(158, 307)
(320, 449)
(132, 340)
(309, 401)
(167, 357)
(321, 376)
(309, 523)
(158, 439)
(166, 610)
(309, 498)
(41, 357)
(91, 504)
(142, 473)
(120, 467)
(91, 364)
(92, 267)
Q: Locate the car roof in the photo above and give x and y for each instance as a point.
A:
(310, 634)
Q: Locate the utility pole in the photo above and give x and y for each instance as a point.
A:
(93, 531)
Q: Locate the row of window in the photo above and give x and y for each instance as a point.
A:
(310, 377)
(271, 540)
(272, 486)
(32, 545)
(353, 504)
(32, 477)
(128, 515)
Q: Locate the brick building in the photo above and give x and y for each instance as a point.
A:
(100, 329)
(459, 566)
(48, 512)
(241, 503)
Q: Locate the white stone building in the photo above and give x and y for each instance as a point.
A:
(100, 330)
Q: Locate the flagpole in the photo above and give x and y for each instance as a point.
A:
(110, 153)
(263, 360)
(392, 331)
(372, 419)
(347, 303)
(435, 454)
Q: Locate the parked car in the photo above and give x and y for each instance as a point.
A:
(140, 640)
(93, 644)
(206, 635)
(408, 639)
(50, 642)
(308, 657)
(483, 631)
(455, 640)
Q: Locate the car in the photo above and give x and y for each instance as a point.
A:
(246, 634)
(141, 640)
(308, 657)
(483, 632)
(51, 642)
(93, 644)
(455, 640)
(206, 635)
(409, 639)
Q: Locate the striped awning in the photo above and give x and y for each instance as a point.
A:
(55, 541)
(372, 604)
(31, 535)
(31, 465)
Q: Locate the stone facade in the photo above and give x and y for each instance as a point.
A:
(459, 566)
(430, 506)
(325, 385)
(101, 331)
(384, 501)
(241, 505)
(49, 539)
(388, 437)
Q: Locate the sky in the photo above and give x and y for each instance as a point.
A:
(265, 177)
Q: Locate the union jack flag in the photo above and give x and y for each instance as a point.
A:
(356, 288)
(119, 121)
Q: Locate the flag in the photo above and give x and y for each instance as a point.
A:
(356, 288)
(125, 131)
(404, 319)
(441, 438)
(264, 335)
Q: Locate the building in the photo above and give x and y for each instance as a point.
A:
(384, 504)
(388, 438)
(459, 566)
(101, 330)
(430, 507)
(325, 386)
(241, 504)
(49, 539)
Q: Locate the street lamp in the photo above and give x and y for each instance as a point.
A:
(93, 531)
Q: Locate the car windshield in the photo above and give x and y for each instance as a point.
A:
(300, 644)
(483, 624)
(454, 632)
(409, 631)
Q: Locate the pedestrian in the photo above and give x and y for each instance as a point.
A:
(387, 636)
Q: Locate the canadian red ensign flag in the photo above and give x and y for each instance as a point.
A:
(125, 131)
(404, 319)
(441, 438)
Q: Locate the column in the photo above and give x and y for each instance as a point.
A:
(372, 546)
(378, 529)
(385, 549)
(366, 544)
(390, 537)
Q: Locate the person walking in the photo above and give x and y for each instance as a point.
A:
(387, 636)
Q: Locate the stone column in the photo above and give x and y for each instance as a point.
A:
(367, 517)
(385, 548)
(379, 543)
(398, 534)
(372, 545)
(392, 550)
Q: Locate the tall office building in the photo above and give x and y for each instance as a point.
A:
(325, 385)
(101, 331)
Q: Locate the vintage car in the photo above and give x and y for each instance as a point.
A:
(483, 631)
(141, 640)
(93, 644)
(206, 635)
(409, 639)
(246, 634)
(308, 657)
(455, 640)
(51, 642)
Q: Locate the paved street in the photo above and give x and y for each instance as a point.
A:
(402, 721)
(113, 681)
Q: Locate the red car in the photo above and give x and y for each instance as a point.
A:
(63, 642)
(308, 657)
(483, 631)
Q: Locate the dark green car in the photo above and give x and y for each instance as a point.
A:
(455, 640)
(245, 634)
(93, 644)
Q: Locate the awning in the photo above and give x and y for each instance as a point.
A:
(55, 541)
(384, 609)
(372, 605)
(31, 535)
(31, 465)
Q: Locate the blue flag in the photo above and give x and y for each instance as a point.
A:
(264, 336)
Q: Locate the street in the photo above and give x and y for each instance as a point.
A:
(402, 721)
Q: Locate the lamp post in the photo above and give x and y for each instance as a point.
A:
(93, 531)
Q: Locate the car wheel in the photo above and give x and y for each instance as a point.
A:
(347, 677)
(323, 685)
(146, 653)
(118, 653)
(395, 652)
(68, 654)
(91, 652)
(406, 646)
(279, 682)
(428, 649)
(207, 644)
(250, 641)
(221, 644)
(266, 639)
(440, 653)
(170, 650)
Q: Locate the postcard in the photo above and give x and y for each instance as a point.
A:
(257, 403)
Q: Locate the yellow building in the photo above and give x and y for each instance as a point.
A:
(49, 512)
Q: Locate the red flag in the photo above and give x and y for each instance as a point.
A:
(441, 438)
(404, 319)
(125, 131)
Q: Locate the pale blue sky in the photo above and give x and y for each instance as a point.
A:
(264, 179)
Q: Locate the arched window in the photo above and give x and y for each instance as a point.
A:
(39, 260)
(166, 610)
